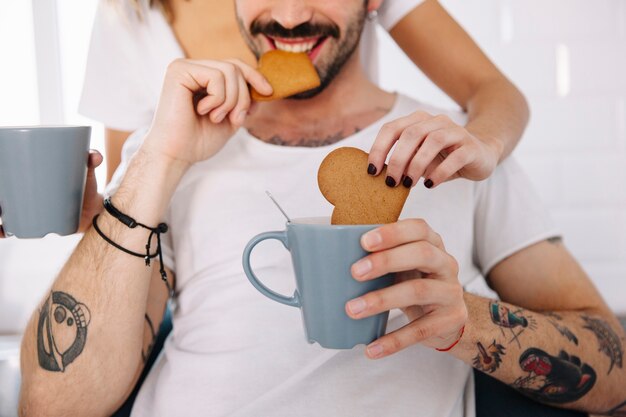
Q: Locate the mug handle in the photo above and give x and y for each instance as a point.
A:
(282, 236)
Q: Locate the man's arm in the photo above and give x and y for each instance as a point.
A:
(81, 350)
(88, 334)
(564, 347)
(552, 337)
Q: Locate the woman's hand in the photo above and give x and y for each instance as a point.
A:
(427, 288)
(201, 106)
(433, 147)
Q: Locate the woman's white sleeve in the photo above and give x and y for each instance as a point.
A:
(392, 11)
(114, 91)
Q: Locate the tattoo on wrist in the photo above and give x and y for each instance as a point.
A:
(557, 379)
(489, 359)
(61, 331)
(145, 354)
(516, 322)
(608, 341)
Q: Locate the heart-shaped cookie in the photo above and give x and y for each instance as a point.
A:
(288, 73)
(358, 197)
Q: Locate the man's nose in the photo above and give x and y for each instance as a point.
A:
(291, 13)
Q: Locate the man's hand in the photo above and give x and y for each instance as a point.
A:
(427, 288)
(433, 147)
(201, 106)
(92, 201)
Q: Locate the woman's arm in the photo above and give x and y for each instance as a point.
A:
(497, 111)
(440, 47)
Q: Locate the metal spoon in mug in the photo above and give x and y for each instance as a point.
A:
(278, 205)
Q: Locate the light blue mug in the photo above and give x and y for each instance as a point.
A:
(42, 179)
(322, 255)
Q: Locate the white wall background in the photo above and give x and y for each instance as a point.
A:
(568, 57)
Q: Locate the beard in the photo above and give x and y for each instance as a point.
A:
(328, 66)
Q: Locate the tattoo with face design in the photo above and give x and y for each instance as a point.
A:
(558, 379)
(516, 322)
(61, 331)
(608, 341)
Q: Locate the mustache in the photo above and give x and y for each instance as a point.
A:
(303, 30)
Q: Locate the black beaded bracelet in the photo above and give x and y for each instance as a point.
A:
(132, 223)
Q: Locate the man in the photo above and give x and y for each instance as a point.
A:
(232, 351)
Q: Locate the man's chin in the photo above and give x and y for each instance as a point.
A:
(307, 94)
(313, 91)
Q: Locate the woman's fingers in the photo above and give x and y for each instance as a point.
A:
(415, 145)
(428, 146)
(448, 168)
(387, 137)
(432, 147)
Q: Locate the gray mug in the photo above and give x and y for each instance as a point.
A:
(322, 255)
(42, 179)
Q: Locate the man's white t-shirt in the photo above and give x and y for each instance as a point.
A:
(234, 352)
(128, 58)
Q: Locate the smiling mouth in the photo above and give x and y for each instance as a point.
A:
(310, 45)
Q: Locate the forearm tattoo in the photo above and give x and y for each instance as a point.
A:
(556, 379)
(608, 341)
(145, 354)
(564, 330)
(619, 411)
(61, 331)
(488, 359)
(515, 322)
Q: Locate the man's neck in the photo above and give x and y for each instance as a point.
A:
(349, 104)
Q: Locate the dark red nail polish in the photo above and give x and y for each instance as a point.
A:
(390, 182)
(407, 182)
(428, 183)
(371, 169)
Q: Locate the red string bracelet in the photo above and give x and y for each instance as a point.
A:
(453, 344)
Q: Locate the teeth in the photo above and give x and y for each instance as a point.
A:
(294, 47)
